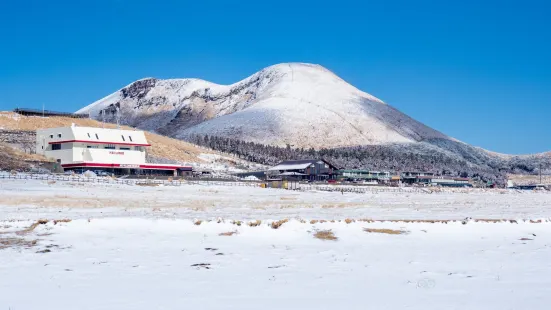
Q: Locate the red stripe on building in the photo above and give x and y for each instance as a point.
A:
(152, 167)
(99, 142)
(97, 165)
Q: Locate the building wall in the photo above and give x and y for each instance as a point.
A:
(92, 151)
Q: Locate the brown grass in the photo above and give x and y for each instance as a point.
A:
(277, 224)
(32, 227)
(313, 222)
(348, 221)
(325, 235)
(287, 198)
(16, 242)
(228, 233)
(255, 223)
(385, 231)
(62, 221)
(198, 222)
(160, 146)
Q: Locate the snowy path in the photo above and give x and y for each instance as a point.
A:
(123, 263)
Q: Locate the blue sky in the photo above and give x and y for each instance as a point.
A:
(479, 71)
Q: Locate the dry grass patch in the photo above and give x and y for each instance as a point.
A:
(277, 224)
(255, 223)
(287, 198)
(348, 221)
(228, 233)
(16, 242)
(62, 221)
(385, 231)
(32, 227)
(313, 222)
(197, 222)
(325, 235)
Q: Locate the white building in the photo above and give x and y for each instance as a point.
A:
(90, 148)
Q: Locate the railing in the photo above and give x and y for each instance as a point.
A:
(296, 187)
(81, 179)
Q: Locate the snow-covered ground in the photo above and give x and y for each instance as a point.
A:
(33, 199)
(135, 247)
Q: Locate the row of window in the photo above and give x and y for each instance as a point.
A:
(58, 135)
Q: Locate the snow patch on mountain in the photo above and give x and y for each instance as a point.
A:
(299, 104)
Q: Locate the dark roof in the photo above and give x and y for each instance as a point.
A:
(305, 161)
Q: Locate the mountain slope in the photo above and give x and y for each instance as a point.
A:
(162, 150)
(297, 104)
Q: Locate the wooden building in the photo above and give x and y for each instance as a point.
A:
(305, 169)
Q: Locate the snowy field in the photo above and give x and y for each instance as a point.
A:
(32, 199)
(132, 247)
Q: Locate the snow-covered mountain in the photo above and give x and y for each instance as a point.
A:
(299, 104)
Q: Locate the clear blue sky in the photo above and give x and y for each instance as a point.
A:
(479, 71)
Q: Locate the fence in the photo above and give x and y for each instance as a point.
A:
(180, 182)
(80, 179)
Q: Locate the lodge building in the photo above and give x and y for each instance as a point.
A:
(116, 151)
(307, 169)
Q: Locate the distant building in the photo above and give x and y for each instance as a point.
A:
(307, 169)
(443, 181)
(367, 175)
(117, 151)
(410, 177)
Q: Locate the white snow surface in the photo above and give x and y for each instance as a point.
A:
(300, 104)
(33, 199)
(130, 247)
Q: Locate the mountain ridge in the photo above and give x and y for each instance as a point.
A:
(289, 102)
(299, 106)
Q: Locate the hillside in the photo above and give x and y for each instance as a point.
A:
(298, 104)
(163, 149)
(301, 107)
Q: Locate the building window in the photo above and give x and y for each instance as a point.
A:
(89, 135)
(122, 138)
(51, 136)
(92, 146)
(129, 137)
(137, 148)
(97, 136)
(56, 146)
(59, 135)
(124, 149)
(110, 147)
